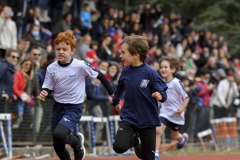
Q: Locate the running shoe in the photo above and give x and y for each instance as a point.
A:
(185, 139)
(79, 149)
(138, 148)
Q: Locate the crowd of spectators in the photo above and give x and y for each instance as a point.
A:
(209, 73)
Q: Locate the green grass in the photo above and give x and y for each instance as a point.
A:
(195, 150)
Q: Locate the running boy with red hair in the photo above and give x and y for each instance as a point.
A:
(66, 78)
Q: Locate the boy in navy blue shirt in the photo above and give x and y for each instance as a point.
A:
(141, 88)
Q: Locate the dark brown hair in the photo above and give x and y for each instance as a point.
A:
(137, 45)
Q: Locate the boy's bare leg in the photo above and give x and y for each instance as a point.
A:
(168, 146)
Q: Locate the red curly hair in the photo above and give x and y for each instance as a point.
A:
(66, 37)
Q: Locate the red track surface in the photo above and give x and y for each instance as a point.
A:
(169, 157)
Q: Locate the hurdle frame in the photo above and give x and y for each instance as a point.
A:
(225, 132)
(8, 147)
(91, 120)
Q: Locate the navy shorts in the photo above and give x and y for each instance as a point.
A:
(67, 115)
(173, 126)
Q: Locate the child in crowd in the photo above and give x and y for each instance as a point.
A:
(172, 110)
(66, 77)
(141, 88)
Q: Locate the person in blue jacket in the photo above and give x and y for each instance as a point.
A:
(7, 70)
(141, 88)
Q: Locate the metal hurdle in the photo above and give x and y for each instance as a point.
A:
(233, 132)
(225, 132)
(91, 120)
(91, 132)
(205, 133)
(105, 121)
(113, 127)
(7, 144)
(111, 124)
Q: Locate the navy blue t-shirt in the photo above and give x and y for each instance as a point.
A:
(138, 83)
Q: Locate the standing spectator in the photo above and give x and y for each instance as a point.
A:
(21, 77)
(8, 29)
(7, 70)
(227, 90)
(204, 96)
(142, 87)
(21, 15)
(100, 90)
(191, 112)
(33, 86)
(98, 104)
(93, 101)
(2, 54)
(104, 52)
(55, 11)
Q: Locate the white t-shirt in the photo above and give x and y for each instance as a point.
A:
(68, 83)
(175, 97)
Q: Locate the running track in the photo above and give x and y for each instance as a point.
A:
(170, 157)
(177, 157)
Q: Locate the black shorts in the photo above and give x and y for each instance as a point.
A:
(173, 126)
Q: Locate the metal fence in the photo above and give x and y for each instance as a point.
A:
(32, 130)
(36, 129)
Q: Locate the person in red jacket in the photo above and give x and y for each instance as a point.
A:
(203, 101)
(22, 75)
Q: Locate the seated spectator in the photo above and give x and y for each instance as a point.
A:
(113, 72)
(35, 37)
(36, 19)
(22, 47)
(85, 17)
(104, 52)
(83, 46)
(63, 25)
(92, 58)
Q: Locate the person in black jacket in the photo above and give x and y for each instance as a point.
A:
(7, 70)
